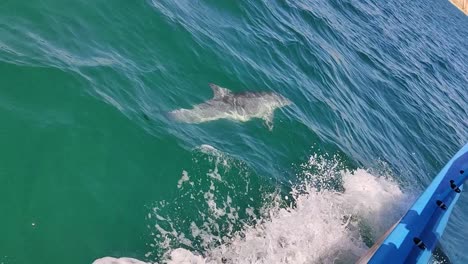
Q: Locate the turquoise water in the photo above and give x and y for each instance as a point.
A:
(91, 165)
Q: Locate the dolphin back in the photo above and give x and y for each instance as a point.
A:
(234, 106)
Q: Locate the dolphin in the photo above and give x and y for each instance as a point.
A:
(233, 106)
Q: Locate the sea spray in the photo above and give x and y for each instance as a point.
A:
(331, 215)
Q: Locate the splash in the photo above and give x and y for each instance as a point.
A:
(110, 260)
(317, 227)
(331, 215)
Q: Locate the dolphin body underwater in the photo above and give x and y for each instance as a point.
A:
(234, 106)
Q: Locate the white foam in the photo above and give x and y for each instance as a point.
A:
(208, 149)
(183, 256)
(110, 260)
(183, 179)
(316, 224)
(321, 227)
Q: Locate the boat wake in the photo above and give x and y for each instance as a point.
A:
(331, 215)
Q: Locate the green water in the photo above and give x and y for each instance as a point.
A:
(87, 151)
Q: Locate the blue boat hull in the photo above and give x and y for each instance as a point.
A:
(415, 236)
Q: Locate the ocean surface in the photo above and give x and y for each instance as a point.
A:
(93, 168)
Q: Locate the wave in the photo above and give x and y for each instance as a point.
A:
(331, 215)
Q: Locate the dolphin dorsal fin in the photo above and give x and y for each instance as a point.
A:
(219, 92)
